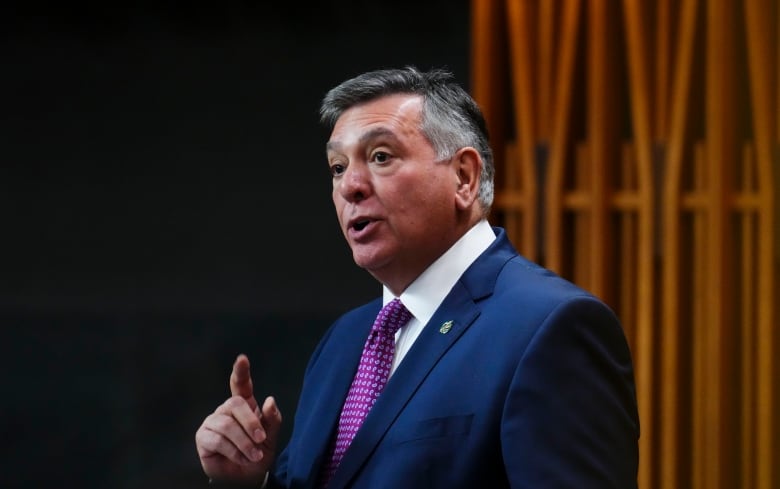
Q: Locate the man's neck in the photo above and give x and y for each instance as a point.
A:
(471, 234)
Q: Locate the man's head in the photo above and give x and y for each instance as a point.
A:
(451, 119)
(411, 169)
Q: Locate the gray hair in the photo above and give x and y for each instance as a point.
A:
(450, 118)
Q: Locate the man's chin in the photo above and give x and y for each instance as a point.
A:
(373, 263)
(366, 264)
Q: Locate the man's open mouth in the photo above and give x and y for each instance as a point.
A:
(360, 225)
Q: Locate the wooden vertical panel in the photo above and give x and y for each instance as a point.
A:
(544, 65)
(747, 223)
(577, 204)
(699, 320)
(520, 47)
(564, 83)
(488, 84)
(602, 143)
(508, 198)
(627, 292)
(671, 474)
(483, 50)
(721, 116)
(662, 63)
(641, 117)
(762, 56)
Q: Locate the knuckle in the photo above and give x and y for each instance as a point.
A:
(202, 431)
(239, 400)
(245, 446)
(231, 402)
(234, 402)
(236, 454)
(206, 440)
(223, 423)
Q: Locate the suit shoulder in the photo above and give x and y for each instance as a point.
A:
(529, 286)
(521, 273)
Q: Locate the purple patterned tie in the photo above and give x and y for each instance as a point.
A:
(369, 381)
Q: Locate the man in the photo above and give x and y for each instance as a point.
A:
(501, 375)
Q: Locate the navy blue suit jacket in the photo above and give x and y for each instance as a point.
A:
(532, 387)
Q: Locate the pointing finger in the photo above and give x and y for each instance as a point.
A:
(241, 381)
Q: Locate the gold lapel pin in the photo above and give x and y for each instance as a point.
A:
(446, 327)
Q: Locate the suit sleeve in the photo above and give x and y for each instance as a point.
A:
(570, 419)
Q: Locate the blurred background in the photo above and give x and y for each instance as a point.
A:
(164, 206)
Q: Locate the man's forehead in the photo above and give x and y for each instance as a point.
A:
(390, 116)
(365, 137)
(398, 104)
(397, 98)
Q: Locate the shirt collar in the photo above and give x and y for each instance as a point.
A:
(427, 292)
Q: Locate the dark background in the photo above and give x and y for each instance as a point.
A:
(165, 205)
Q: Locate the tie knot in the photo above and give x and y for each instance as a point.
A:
(392, 317)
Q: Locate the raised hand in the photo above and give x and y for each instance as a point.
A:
(238, 441)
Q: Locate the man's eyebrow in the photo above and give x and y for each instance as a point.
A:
(376, 133)
(379, 132)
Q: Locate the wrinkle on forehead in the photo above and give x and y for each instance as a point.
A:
(391, 120)
(366, 137)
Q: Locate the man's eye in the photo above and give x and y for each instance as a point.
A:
(337, 169)
(380, 157)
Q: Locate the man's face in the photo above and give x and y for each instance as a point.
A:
(395, 201)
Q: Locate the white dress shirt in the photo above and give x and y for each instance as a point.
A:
(427, 292)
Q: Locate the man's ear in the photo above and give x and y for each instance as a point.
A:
(467, 163)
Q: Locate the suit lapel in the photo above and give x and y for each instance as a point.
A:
(461, 308)
(334, 377)
(429, 347)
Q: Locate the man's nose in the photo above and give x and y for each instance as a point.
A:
(355, 183)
